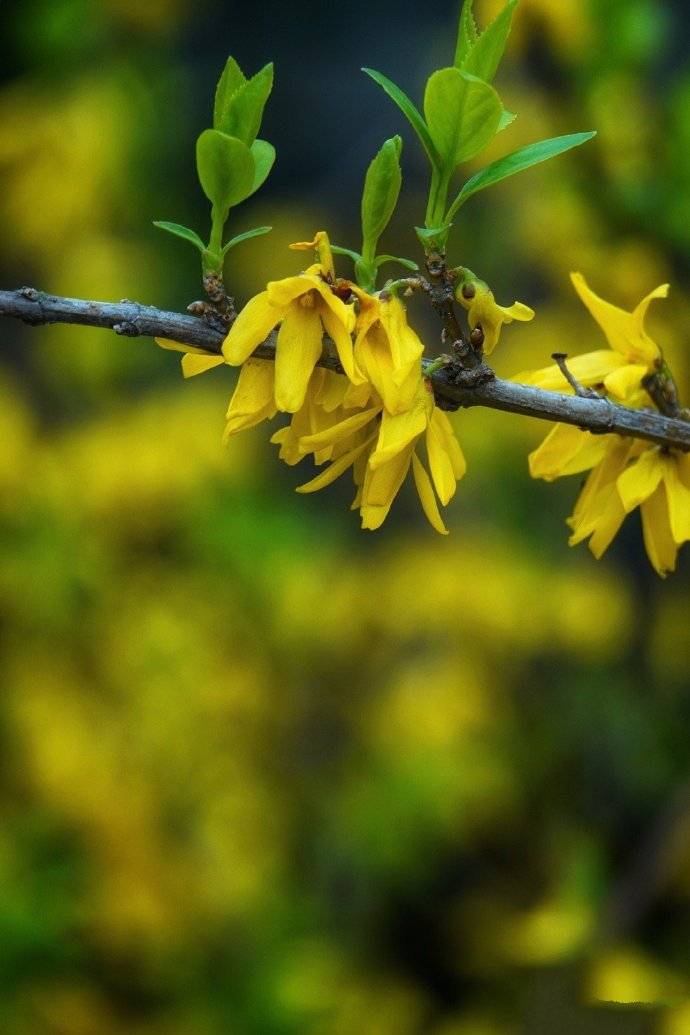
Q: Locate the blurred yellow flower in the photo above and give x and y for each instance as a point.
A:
(486, 314)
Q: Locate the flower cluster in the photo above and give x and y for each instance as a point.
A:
(625, 473)
(372, 420)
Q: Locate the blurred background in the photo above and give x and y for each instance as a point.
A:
(262, 773)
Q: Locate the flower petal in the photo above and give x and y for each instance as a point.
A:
(624, 331)
(567, 450)
(656, 530)
(340, 330)
(194, 364)
(335, 469)
(426, 495)
(625, 380)
(589, 369)
(676, 475)
(283, 293)
(399, 430)
(640, 479)
(445, 457)
(298, 349)
(337, 432)
(252, 326)
(252, 400)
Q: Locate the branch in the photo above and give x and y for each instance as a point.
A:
(132, 320)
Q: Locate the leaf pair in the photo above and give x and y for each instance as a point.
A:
(229, 171)
(232, 163)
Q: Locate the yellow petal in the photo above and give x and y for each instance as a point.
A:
(322, 246)
(337, 432)
(339, 330)
(656, 531)
(373, 358)
(484, 310)
(252, 326)
(252, 400)
(625, 380)
(426, 495)
(178, 346)
(444, 458)
(399, 430)
(599, 498)
(381, 484)
(193, 364)
(337, 468)
(676, 475)
(283, 293)
(589, 369)
(610, 520)
(298, 349)
(640, 479)
(566, 450)
(405, 347)
(444, 429)
(624, 331)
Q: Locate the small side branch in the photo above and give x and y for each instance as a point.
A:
(132, 319)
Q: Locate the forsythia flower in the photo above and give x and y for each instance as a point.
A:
(625, 473)
(388, 353)
(389, 449)
(486, 313)
(306, 307)
(371, 420)
(620, 368)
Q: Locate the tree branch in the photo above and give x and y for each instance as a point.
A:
(132, 320)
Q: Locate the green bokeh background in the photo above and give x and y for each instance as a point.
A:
(262, 773)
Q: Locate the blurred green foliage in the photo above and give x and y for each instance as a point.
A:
(263, 773)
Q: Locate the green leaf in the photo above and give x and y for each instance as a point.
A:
(409, 111)
(467, 34)
(242, 113)
(257, 232)
(433, 238)
(338, 249)
(380, 196)
(407, 263)
(507, 119)
(463, 114)
(226, 168)
(264, 156)
(514, 163)
(181, 231)
(230, 81)
(484, 57)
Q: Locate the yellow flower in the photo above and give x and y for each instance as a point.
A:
(253, 398)
(305, 306)
(195, 360)
(627, 473)
(486, 313)
(329, 398)
(658, 482)
(382, 451)
(387, 351)
(618, 369)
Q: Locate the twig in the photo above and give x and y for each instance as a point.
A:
(132, 319)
